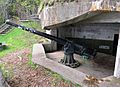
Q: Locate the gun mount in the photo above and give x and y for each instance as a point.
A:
(69, 47)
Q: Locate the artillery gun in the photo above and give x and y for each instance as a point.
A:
(69, 47)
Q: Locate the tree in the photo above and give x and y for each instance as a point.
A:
(23, 8)
(3, 10)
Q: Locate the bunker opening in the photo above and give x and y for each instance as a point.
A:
(100, 36)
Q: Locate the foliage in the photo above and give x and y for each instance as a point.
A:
(1, 20)
(3, 12)
(44, 3)
(26, 7)
(6, 71)
(22, 6)
(59, 78)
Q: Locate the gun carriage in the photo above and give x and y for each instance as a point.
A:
(69, 47)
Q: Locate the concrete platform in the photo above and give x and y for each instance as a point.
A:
(91, 67)
(77, 75)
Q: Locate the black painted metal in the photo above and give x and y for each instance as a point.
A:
(68, 59)
(57, 39)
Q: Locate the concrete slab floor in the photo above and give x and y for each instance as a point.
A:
(100, 67)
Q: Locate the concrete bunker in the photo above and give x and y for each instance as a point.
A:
(100, 32)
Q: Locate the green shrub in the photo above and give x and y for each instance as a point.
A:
(7, 71)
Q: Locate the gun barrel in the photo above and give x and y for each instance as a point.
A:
(51, 37)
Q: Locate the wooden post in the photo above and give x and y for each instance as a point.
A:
(117, 63)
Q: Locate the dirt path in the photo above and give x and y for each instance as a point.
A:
(26, 76)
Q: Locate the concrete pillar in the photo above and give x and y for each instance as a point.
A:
(117, 63)
(51, 45)
(48, 32)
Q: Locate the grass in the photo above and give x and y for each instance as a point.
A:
(7, 72)
(18, 39)
(30, 63)
(59, 78)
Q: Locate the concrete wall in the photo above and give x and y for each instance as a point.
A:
(98, 36)
(90, 31)
(51, 45)
(61, 13)
(105, 17)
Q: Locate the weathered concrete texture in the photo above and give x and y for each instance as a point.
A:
(68, 13)
(110, 81)
(61, 14)
(104, 17)
(117, 64)
(38, 52)
(97, 67)
(90, 31)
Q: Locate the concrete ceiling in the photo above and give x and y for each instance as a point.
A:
(91, 17)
